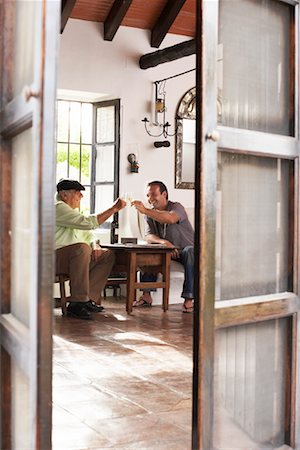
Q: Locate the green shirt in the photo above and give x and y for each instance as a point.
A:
(72, 227)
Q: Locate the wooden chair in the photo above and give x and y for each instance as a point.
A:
(61, 278)
(113, 281)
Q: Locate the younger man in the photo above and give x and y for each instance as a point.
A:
(167, 223)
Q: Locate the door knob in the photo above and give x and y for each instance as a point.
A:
(28, 93)
(213, 136)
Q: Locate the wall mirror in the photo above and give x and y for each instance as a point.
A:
(185, 141)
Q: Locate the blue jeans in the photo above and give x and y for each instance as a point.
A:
(187, 260)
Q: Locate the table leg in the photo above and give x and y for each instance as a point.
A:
(131, 279)
(166, 275)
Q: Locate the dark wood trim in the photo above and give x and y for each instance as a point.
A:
(6, 89)
(292, 219)
(256, 311)
(66, 11)
(168, 54)
(165, 21)
(8, 32)
(205, 227)
(46, 224)
(292, 72)
(117, 105)
(7, 24)
(115, 17)
(5, 438)
(291, 382)
(5, 226)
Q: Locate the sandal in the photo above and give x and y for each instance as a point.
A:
(187, 309)
(141, 303)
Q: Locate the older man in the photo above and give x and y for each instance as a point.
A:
(167, 223)
(77, 255)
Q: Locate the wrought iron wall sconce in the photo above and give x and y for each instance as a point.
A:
(160, 108)
(134, 165)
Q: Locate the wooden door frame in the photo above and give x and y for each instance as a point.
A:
(36, 105)
(205, 224)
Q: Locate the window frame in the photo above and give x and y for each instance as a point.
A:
(93, 144)
(115, 143)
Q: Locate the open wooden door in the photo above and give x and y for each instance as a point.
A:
(28, 39)
(246, 377)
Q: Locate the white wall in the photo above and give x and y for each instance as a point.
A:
(89, 64)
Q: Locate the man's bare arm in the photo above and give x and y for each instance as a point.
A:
(154, 239)
(117, 206)
(168, 217)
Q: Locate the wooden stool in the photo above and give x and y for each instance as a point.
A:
(61, 278)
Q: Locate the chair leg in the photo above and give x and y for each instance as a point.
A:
(63, 299)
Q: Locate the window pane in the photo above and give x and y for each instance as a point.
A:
(188, 150)
(105, 163)
(24, 45)
(105, 124)
(87, 123)
(86, 160)
(85, 204)
(75, 117)
(104, 198)
(74, 162)
(252, 226)
(251, 366)
(62, 121)
(188, 162)
(255, 92)
(23, 231)
(189, 131)
(62, 161)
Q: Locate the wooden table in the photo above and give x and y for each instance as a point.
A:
(131, 257)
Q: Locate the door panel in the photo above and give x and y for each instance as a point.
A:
(251, 381)
(29, 32)
(249, 364)
(256, 227)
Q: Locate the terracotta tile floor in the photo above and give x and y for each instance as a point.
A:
(123, 382)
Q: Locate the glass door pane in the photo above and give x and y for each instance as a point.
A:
(252, 226)
(255, 53)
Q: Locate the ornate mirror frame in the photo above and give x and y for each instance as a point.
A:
(186, 110)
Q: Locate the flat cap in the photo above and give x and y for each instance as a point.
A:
(66, 185)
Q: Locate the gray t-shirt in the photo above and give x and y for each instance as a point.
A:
(180, 233)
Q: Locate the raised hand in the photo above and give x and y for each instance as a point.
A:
(139, 206)
(119, 204)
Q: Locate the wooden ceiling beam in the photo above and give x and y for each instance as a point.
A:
(66, 11)
(168, 54)
(115, 17)
(165, 21)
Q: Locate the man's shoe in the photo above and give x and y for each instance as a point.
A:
(93, 307)
(79, 311)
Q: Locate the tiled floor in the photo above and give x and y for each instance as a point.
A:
(123, 382)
